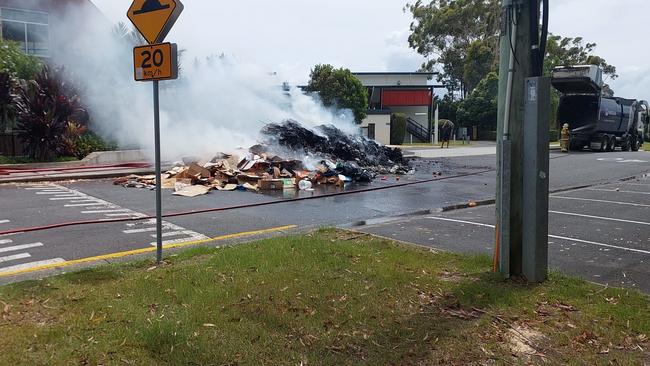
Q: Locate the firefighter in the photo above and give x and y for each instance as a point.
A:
(446, 130)
(564, 138)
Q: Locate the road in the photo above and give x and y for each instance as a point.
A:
(39, 204)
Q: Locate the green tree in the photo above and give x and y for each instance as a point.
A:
(480, 107)
(455, 36)
(339, 88)
(18, 64)
(568, 51)
(7, 90)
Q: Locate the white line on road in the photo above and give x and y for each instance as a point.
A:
(52, 192)
(174, 233)
(90, 203)
(105, 211)
(20, 247)
(136, 231)
(631, 184)
(600, 218)
(461, 222)
(38, 188)
(6, 241)
(181, 240)
(550, 236)
(14, 257)
(71, 198)
(31, 265)
(600, 201)
(4, 221)
(613, 190)
(135, 214)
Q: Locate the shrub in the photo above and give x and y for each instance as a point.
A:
(50, 116)
(553, 135)
(89, 143)
(397, 128)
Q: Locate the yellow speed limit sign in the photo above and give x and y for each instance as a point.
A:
(156, 62)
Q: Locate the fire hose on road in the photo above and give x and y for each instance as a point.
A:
(236, 207)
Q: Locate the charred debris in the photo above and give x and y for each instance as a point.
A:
(290, 156)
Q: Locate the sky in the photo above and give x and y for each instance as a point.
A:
(291, 36)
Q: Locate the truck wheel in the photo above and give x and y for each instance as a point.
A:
(636, 144)
(627, 143)
(604, 141)
(611, 143)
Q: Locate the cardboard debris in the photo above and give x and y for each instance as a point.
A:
(227, 187)
(192, 191)
(353, 159)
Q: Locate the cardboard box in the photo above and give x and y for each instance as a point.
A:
(272, 184)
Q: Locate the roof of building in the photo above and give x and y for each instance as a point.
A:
(396, 73)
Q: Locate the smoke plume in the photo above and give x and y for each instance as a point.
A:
(219, 104)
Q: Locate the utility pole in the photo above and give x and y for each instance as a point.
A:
(522, 144)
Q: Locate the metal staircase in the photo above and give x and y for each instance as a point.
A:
(417, 130)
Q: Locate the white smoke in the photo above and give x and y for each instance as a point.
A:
(215, 106)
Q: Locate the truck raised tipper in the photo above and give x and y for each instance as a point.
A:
(595, 121)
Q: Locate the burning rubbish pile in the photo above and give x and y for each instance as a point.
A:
(339, 159)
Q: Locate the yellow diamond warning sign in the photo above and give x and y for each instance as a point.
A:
(154, 18)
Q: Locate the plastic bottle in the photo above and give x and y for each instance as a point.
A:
(304, 185)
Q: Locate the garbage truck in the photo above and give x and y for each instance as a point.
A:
(598, 122)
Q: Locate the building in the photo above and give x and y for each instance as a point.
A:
(37, 24)
(398, 92)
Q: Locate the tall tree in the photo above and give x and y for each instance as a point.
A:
(455, 36)
(339, 88)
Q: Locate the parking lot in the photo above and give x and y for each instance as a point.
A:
(600, 233)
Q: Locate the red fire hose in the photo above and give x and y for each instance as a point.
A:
(7, 171)
(228, 208)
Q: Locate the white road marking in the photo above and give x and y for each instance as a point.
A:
(461, 222)
(550, 236)
(105, 211)
(38, 188)
(90, 203)
(20, 247)
(6, 241)
(630, 184)
(601, 201)
(174, 233)
(136, 231)
(4, 221)
(51, 192)
(93, 205)
(71, 198)
(134, 214)
(31, 265)
(14, 257)
(613, 190)
(600, 218)
(181, 240)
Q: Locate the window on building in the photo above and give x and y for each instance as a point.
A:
(29, 28)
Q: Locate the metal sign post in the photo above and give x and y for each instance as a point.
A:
(156, 128)
(157, 61)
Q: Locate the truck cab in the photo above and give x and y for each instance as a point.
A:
(595, 121)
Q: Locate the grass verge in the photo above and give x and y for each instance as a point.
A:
(325, 298)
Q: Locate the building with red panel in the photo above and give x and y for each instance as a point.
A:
(399, 92)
